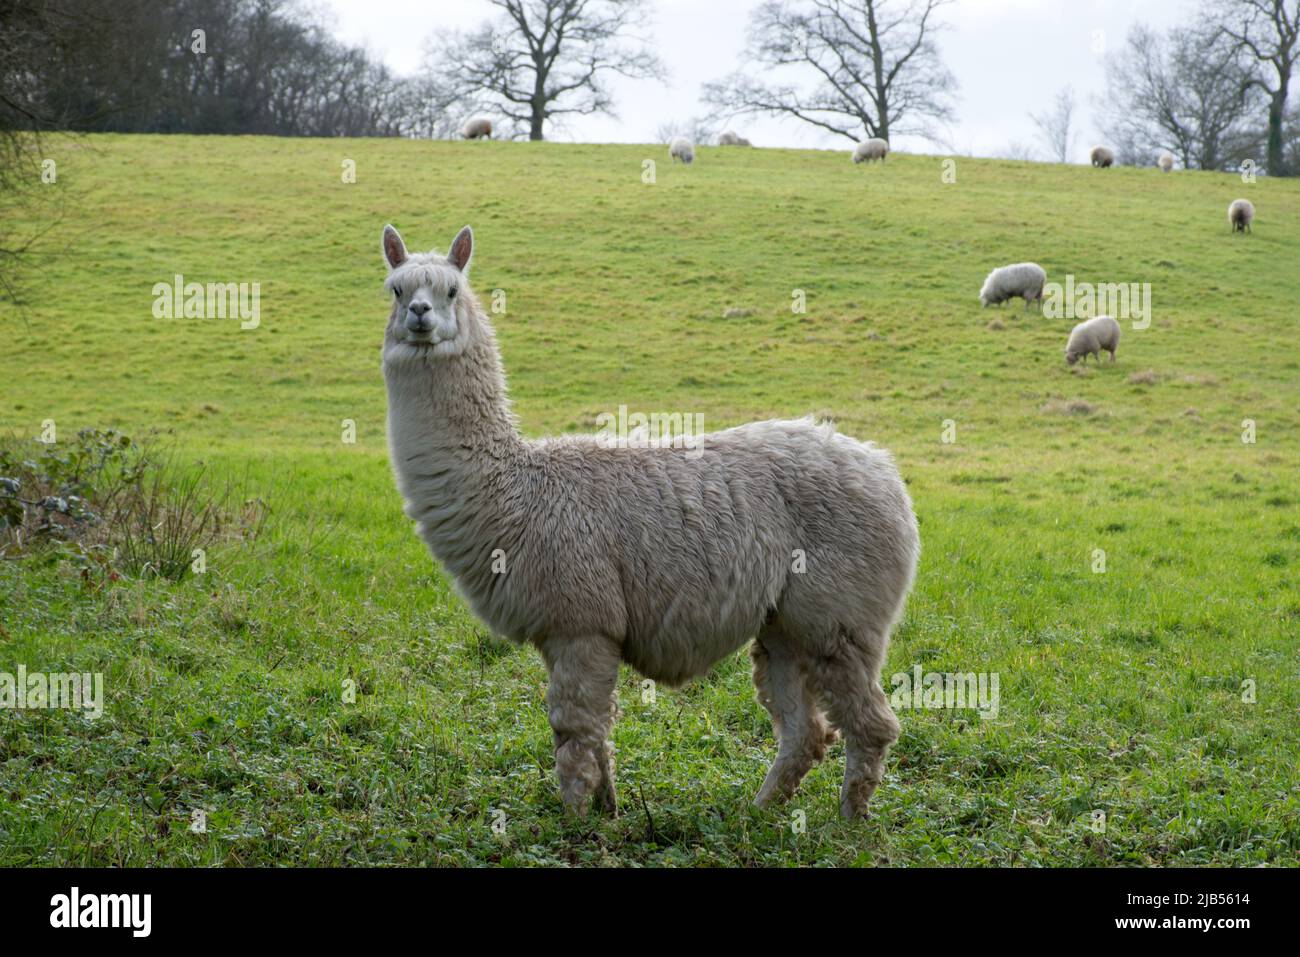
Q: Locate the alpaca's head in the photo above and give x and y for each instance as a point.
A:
(434, 312)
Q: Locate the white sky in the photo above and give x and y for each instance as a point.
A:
(1010, 58)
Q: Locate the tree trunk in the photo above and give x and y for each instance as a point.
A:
(535, 127)
(1276, 116)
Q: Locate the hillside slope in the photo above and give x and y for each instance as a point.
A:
(1120, 691)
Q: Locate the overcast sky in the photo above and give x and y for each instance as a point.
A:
(1010, 58)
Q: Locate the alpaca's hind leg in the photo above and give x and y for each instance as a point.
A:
(580, 706)
(850, 682)
(801, 730)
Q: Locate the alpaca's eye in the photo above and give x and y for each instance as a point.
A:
(397, 291)
(451, 293)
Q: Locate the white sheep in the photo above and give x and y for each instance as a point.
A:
(1241, 213)
(1019, 279)
(682, 149)
(733, 139)
(1091, 337)
(666, 557)
(1102, 157)
(480, 127)
(1165, 161)
(872, 149)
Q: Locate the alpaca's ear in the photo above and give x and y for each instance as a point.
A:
(462, 248)
(394, 248)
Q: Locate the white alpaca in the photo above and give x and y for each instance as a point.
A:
(664, 557)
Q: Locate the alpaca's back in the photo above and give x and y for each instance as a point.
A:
(682, 554)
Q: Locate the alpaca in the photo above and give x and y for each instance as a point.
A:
(663, 557)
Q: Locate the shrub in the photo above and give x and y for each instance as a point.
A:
(116, 502)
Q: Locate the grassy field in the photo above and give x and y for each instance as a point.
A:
(1125, 692)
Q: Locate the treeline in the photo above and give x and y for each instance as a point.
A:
(199, 66)
(1205, 96)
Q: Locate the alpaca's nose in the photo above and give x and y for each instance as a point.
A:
(417, 319)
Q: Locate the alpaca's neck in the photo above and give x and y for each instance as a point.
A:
(456, 454)
(451, 411)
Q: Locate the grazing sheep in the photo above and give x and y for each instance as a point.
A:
(732, 139)
(480, 127)
(872, 149)
(1241, 213)
(1165, 161)
(682, 149)
(1103, 157)
(664, 557)
(1025, 280)
(1091, 337)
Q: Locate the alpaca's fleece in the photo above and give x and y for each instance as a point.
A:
(1103, 156)
(1165, 161)
(664, 558)
(732, 139)
(479, 127)
(872, 149)
(1025, 280)
(1241, 213)
(682, 149)
(1091, 338)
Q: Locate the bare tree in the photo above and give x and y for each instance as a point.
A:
(1187, 91)
(1270, 31)
(1292, 144)
(875, 66)
(1056, 125)
(699, 130)
(542, 59)
(1017, 150)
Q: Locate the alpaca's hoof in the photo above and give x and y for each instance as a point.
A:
(773, 792)
(855, 797)
(607, 801)
(577, 809)
(852, 811)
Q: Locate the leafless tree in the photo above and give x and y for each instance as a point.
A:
(1270, 31)
(1056, 125)
(875, 67)
(1291, 146)
(699, 130)
(1017, 150)
(544, 59)
(1187, 91)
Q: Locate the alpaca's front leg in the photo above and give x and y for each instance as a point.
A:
(580, 706)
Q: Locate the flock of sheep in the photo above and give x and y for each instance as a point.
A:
(1241, 212)
(682, 148)
(1024, 280)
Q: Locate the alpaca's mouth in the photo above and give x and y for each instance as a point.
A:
(424, 347)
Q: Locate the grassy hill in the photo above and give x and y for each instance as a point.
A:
(1120, 692)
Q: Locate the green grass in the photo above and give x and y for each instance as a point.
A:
(1120, 692)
